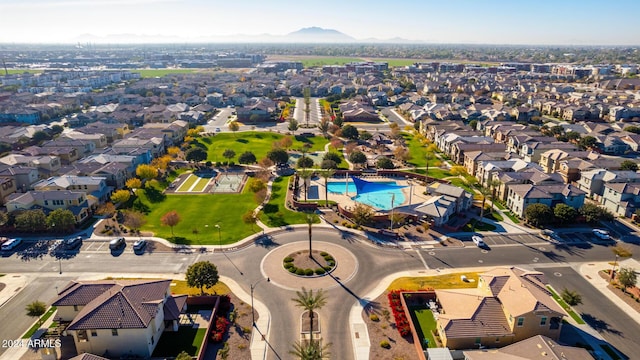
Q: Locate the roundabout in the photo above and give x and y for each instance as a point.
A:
(345, 266)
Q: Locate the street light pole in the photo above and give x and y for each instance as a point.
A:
(219, 236)
(253, 314)
(613, 270)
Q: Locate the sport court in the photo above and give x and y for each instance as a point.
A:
(196, 182)
(228, 183)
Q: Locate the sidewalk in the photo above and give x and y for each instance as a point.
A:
(13, 284)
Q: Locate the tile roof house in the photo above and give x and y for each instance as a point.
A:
(537, 347)
(119, 317)
(621, 198)
(519, 197)
(49, 200)
(509, 305)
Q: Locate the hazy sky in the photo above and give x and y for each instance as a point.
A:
(579, 22)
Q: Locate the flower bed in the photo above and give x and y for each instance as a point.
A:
(395, 302)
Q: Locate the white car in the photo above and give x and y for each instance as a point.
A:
(602, 234)
(477, 240)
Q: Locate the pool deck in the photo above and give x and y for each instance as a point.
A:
(413, 193)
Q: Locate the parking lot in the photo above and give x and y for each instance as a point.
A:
(506, 239)
(38, 249)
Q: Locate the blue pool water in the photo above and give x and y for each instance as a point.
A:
(380, 200)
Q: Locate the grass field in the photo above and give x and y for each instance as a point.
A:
(195, 212)
(274, 212)
(479, 226)
(20, 71)
(447, 281)
(565, 306)
(37, 325)
(327, 60)
(202, 183)
(181, 287)
(186, 185)
(149, 73)
(426, 323)
(260, 143)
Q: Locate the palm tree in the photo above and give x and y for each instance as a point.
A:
(311, 351)
(304, 175)
(430, 150)
(485, 192)
(311, 219)
(310, 302)
(326, 174)
(493, 185)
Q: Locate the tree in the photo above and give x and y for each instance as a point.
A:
(538, 214)
(229, 154)
(627, 278)
(305, 175)
(249, 218)
(170, 219)
(571, 297)
(629, 165)
(57, 129)
(202, 274)
(593, 213)
(365, 135)
(61, 220)
(4, 218)
(36, 309)
(429, 152)
(357, 157)
(196, 154)
(473, 124)
(350, 132)
(323, 126)
(305, 162)
(336, 143)
(632, 128)
(134, 220)
(133, 183)
(564, 213)
(485, 193)
(621, 251)
(40, 136)
(311, 219)
(293, 125)
(572, 136)
(401, 153)
(384, 163)
(184, 356)
(162, 162)
(494, 185)
(234, 126)
(278, 156)
(362, 214)
(309, 301)
(247, 157)
(326, 174)
(285, 142)
(587, 142)
(310, 351)
(120, 196)
(173, 151)
(146, 172)
(458, 170)
(31, 221)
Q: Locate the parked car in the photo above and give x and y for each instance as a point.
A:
(477, 240)
(11, 244)
(602, 234)
(73, 242)
(139, 245)
(217, 129)
(117, 243)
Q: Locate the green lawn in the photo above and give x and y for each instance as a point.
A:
(260, 143)
(274, 212)
(565, 306)
(480, 226)
(20, 71)
(185, 339)
(434, 172)
(327, 60)
(425, 323)
(37, 325)
(186, 185)
(512, 217)
(493, 216)
(196, 211)
(148, 73)
(447, 281)
(460, 183)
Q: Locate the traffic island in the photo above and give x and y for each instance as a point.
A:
(299, 263)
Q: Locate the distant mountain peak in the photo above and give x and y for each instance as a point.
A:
(315, 33)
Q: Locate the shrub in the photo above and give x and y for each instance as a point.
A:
(288, 259)
(288, 265)
(385, 344)
(331, 263)
(374, 317)
(328, 257)
(299, 271)
(293, 269)
(335, 221)
(242, 346)
(327, 268)
(320, 271)
(324, 253)
(308, 272)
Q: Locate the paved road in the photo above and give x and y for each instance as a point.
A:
(613, 324)
(314, 112)
(244, 267)
(14, 319)
(391, 115)
(219, 120)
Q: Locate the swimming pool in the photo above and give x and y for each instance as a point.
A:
(380, 200)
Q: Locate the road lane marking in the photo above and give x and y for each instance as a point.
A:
(422, 259)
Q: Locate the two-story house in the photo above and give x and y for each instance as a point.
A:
(95, 187)
(509, 305)
(119, 317)
(74, 201)
(7, 187)
(521, 196)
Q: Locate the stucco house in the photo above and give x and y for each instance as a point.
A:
(509, 305)
(520, 196)
(540, 346)
(117, 318)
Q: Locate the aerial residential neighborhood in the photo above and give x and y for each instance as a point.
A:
(190, 193)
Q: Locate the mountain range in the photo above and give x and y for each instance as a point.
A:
(304, 35)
